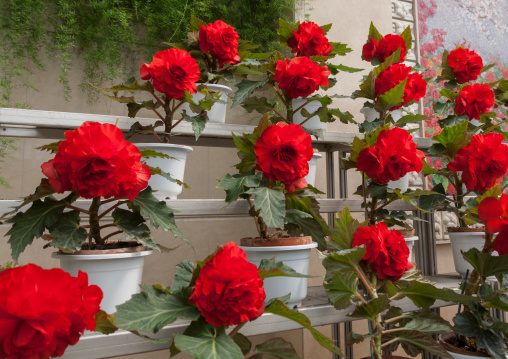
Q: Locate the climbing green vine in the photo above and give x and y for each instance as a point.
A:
(110, 36)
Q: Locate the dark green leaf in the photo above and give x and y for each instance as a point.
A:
(234, 185)
(285, 30)
(342, 289)
(67, 233)
(243, 342)
(485, 263)
(414, 343)
(278, 348)
(346, 226)
(392, 97)
(183, 276)
(134, 227)
(423, 295)
(195, 23)
(221, 346)
(271, 204)
(245, 89)
(372, 308)
(343, 261)
(198, 123)
(258, 104)
(152, 309)
(269, 268)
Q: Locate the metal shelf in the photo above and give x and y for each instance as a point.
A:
(315, 307)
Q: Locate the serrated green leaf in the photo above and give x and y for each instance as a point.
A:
(391, 98)
(372, 308)
(32, 223)
(485, 263)
(414, 343)
(152, 309)
(410, 118)
(198, 123)
(221, 346)
(195, 23)
(442, 109)
(277, 348)
(269, 268)
(342, 289)
(343, 261)
(335, 69)
(158, 212)
(278, 308)
(373, 33)
(428, 325)
(234, 185)
(431, 201)
(292, 215)
(258, 104)
(67, 233)
(245, 89)
(423, 295)
(408, 37)
(133, 226)
(271, 205)
(243, 342)
(286, 30)
(496, 300)
(183, 276)
(345, 226)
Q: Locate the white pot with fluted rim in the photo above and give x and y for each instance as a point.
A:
(410, 242)
(372, 115)
(175, 165)
(311, 176)
(313, 123)
(462, 241)
(117, 273)
(217, 113)
(402, 183)
(295, 256)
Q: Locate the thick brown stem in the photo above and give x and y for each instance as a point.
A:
(95, 231)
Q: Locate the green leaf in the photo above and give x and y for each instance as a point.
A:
(347, 260)
(278, 308)
(152, 309)
(345, 226)
(104, 323)
(134, 107)
(453, 138)
(158, 212)
(258, 104)
(414, 343)
(269, 268)
(243, 342)
(183, 276)
(485, 263)
(372, 308)
(195, 23)
(431, 201)
(271, 204)
(278, 348)
(207, 346)
(245, 89)
(334, 69)
(392, 97)
(423, 295)
(286, 30)
(407, 36)
(342, 289)
(428, 325)
(428, 170)
(198, 123)
(67, 233)
(234, 185)
(410, 118)
(134, 227)
(32, 223)
(373, 33)
(442, 109)
(293, 215)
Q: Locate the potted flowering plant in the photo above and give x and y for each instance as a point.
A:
(219, 296)
(274, 163)
(95, 163)
(44, 311)
(470, 144)
(294, 79)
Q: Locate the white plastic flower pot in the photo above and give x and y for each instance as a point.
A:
(311, 176)
(175, 165)
(372, 115)
(462, 242)
(118, 275)
(312, 123)
(410, 241)
(402, 183)
(217, 113)
(297, 257)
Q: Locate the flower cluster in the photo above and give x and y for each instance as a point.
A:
(466, 64)
(386, 250)
(474, 100)
(228, 290)
(309, 40)
(393, 155)
(383, 48)
(494, 212)
(42, 312)
(221, 40)
(96, 161)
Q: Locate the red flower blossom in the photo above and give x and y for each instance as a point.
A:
(300, 77)
(466, 65)
(44, 311)
(172, 72)
(94, 161)
(384, 48)
(228, 290)
(501, 242)
(283, 153)
(473, 100)
(386, 250)
(415, 85)
(394, 154)
(309, 40)
(494, 212)
(483, 162)
(221, 40)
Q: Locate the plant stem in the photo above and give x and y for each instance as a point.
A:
(111, 235)
(78, 209)
(278, 94)
(394, 319)
(393, 330)
(110, 209)
(95, 232)
(257, 219)
(237, 329)
(376, 322)
(364, 196)
(389, 342)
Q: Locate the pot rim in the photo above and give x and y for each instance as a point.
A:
(453, 349)
(464, 230)
(154, 144)
(226, 89)
(280, 248)
(96, 255)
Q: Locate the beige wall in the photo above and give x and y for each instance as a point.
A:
(350, 25)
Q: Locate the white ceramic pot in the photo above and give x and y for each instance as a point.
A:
(402, 183)
(313, 123)
(297, 257)
(311, 176)
(372, 115)
(217, 113)
(462, 242)
(410, 241)
(176, 167)
(118, 275)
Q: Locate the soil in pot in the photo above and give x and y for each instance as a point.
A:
(461, 345)
(279, 241)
